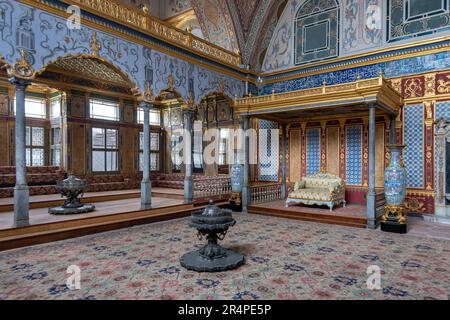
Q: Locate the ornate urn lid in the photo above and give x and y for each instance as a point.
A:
(212, 217)
(71, 183)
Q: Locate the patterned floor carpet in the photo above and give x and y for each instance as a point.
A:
(286, 259)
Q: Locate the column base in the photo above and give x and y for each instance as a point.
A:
(283, 192)
(21, 206)
(371, 211)
(146, 195)
(245, 199)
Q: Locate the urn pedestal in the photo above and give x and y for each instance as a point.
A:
(394, 219)
(212, 224)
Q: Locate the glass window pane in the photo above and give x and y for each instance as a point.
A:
(111, 139)
(98, 161)
(155, 117)
(35, 108)
(141, 161)
(55, 108)
(111, 161)
(37, 157)
(28, 157)
(28, 136)
(56, 137)
(56, 157)
(37, 137)
(141, 140)
(154, 161)
(98, 138)
(154, 141)
(106, 110)
(140, 115)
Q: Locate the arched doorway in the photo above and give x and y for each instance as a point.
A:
(215, 111)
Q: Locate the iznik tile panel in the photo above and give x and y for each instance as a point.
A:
(443, 110)
(413, 154)
(312, 150)
(354, 155)
(268, 150)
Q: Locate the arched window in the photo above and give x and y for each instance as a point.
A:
(317, 31)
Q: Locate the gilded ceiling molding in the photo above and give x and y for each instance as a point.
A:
(353, 93)
(94, 56)
(136, 20)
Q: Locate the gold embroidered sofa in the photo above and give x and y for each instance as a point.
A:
(319, 189)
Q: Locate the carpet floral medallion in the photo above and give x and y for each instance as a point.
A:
(285, 259)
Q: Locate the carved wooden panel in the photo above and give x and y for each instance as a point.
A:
(295, 146)
(333, 150)
(4, 103)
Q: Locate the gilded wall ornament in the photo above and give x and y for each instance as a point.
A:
(170, 82)
(413, 88)
(148, 93)
(443, 86)
(95, 44)
(22, 68)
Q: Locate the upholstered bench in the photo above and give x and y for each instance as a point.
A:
(318, 189)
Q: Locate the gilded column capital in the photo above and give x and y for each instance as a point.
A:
(147, 97)
(22, 69)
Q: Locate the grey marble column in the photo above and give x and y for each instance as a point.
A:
(187, 140)
(371, 194)
(146, 184)
(21, 192)
(393, 131)
(245, 182)
(283, 161)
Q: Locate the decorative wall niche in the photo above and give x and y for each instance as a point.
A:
(412, 18)
(317, 31)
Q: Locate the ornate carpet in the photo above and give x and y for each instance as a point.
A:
(285, 259)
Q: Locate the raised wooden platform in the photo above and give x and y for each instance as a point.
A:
(352, 216)
(52, 200)
(108, 216)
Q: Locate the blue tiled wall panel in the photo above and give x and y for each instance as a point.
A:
(354, 155)
(442, 111)
(268, 151)
(396, 68)
(312, 150)
(413, 154)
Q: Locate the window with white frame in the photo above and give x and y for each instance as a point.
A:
(105, 150)
(55, 147)
(55, 107)
(223, 146)
(154, 151)
(104, 109)
(35, 146)
(177, 160)
(197, 149)
(34, 107)
(155, 116)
